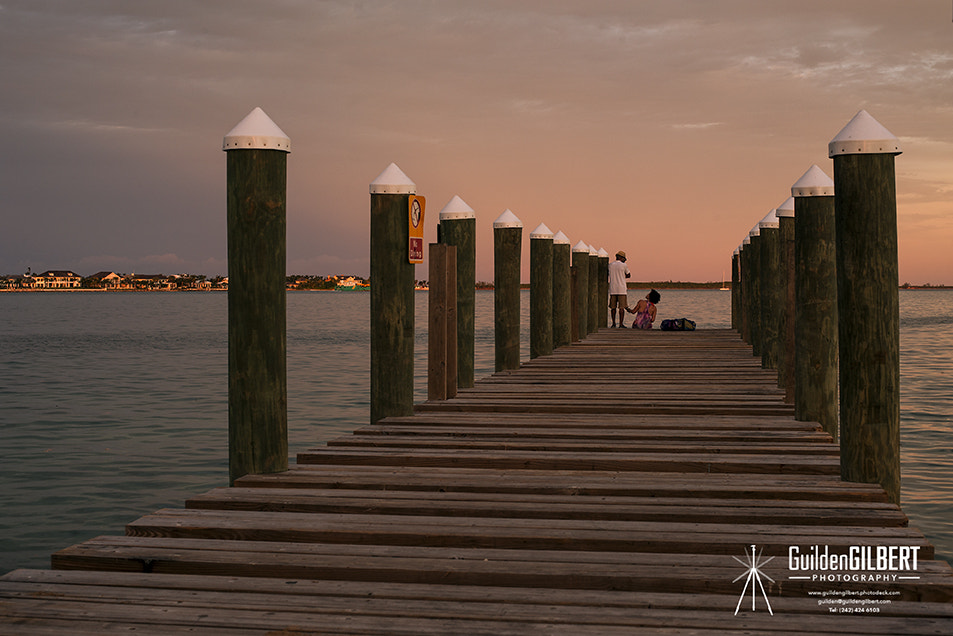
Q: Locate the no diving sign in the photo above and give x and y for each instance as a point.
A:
(415, 213)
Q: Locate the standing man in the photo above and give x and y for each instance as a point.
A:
(618, 299)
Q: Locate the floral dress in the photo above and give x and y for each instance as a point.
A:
(643, 319)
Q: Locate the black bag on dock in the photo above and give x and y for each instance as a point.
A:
(678, 324)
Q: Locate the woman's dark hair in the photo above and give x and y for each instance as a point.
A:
(654, 297)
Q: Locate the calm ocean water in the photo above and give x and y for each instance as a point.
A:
(115, 405)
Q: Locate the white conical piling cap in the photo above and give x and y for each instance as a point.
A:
(592, 251)
(786, 209)
(255, 132)
(813, 183)
(603, 253)
(541, 232)
(581, 246)
(456, 209)
(755, 231)
(560, 239)
(393, 181)
(507, 219)
(747, 240)
(864, 135)
(737, 251)
(770, 220)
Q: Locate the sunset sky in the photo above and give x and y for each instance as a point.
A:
(664, 128)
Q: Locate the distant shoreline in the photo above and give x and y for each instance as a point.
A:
(669, 285)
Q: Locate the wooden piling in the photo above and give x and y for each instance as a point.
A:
(769, 279)
(562, 291)
(753, 291)
(392, 296)
(603, 294)
(442, 315)
(785, 214)
(815, 301)
(594, 309)
(736, 290)
(541, 291)
(507, 243)
(580, 262)
(744, 258)
(865, 204)
(458, 228)
(257, 155)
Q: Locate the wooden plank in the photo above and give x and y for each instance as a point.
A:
(508, 607)
(550, 507)
(548, 569)
(79, 583)
(708, 462)
(512, 533)
(540, 443)
(570, 482)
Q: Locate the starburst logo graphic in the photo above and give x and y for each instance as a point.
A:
(753, 562)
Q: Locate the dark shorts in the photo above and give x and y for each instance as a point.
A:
(618, 300)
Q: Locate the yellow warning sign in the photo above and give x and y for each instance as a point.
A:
(415, 213)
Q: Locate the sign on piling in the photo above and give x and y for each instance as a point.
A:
(257, 154)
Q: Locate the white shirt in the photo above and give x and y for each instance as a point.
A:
(618, 271)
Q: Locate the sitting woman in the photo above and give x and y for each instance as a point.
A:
(645, 311)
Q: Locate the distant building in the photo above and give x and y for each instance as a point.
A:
(150, 281)
(107, 280)
(57, 279)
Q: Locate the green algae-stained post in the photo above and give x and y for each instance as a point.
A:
(507, 245)
(257, 155)
(815, 301)
(580, 261)
(458, 228)
(594, 313)
(865, 218)
(392, 296)
(540, 291)
(562, 290)
(785, 213)
(603, 293)
(769, 279)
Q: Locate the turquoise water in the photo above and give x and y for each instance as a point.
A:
(115, 405)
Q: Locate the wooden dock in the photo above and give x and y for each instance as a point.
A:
(615, 487)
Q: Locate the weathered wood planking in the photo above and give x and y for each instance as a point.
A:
(584, 493)
(243, 605)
